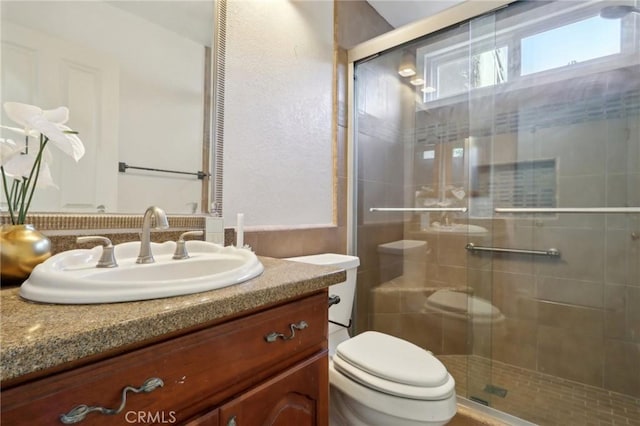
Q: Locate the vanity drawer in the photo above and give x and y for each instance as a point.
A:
(199, 370)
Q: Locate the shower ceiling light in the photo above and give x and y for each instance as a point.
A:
(407, 71)
(417, 81)
(407, 64)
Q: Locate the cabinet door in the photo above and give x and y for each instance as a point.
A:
(298, 396)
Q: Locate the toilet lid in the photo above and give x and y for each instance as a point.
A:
(463, 303)
(392, 359)
(370, 381)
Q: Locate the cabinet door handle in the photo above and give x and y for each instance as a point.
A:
(274, 335)
(79, 412)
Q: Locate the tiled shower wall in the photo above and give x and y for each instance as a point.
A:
(576, 317)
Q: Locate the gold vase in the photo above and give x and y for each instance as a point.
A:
(22, 247)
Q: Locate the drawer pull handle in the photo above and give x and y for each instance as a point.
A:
(79, 412)
(273, 336)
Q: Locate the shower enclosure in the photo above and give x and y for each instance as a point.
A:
(496, 201)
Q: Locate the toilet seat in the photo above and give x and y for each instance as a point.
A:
(393, 366)
(385, 409)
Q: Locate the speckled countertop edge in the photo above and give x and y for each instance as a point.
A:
(37, 336)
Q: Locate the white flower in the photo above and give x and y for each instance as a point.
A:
(30, 133)
(48, 122)
(8, 150)
(20, 166)
(28, 169)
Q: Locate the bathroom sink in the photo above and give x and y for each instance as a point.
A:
(71, 277)
(455, 228)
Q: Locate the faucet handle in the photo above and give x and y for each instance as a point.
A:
(181, 248)
(108, 259)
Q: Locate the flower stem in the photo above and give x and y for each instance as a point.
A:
(8, 195)
(36, 168)
(15, 191)
(22, 195)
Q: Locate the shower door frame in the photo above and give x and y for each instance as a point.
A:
(371, 48)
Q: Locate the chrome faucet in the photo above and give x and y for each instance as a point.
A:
(107, 259)
(153, 212)
(181, 247)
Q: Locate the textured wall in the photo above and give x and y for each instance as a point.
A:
(278, 163)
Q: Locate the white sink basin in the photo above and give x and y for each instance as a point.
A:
(71, 277)
(456, 228)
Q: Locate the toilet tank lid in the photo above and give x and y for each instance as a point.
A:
(329, 259)
(399, 247)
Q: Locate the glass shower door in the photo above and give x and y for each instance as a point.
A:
(535, 106)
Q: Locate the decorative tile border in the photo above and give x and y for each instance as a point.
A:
(447, 127)
(58, 222)
(62, 229)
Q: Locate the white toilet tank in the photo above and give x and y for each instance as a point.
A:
(340, 313)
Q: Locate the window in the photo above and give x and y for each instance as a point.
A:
(570, 44)
(464, 73)
(573, 34)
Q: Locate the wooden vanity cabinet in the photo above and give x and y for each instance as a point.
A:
(257, 369)
(292, 398)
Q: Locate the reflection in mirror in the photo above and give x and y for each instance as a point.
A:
(133, 76)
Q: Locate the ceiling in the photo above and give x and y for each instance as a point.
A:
(190, 18)
(196, 16)
(402, 12)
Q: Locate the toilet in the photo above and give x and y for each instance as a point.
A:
(377, 379)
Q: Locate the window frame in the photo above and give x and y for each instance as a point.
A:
(510, 33)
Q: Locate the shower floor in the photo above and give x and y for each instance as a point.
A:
(540, 398)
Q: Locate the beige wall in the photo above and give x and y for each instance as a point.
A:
(279, 68)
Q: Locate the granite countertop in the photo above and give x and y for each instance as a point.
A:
(36, 336)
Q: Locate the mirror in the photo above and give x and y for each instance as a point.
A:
(134, 75)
